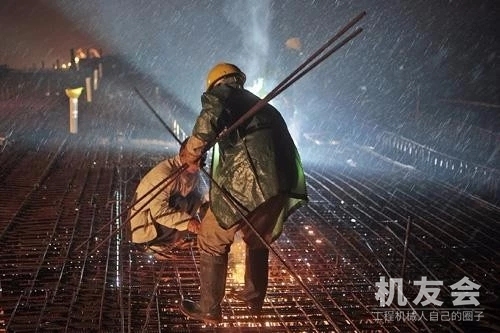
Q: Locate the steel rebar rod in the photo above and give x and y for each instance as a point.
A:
(268, 246)
(308, 65)
(405, 250)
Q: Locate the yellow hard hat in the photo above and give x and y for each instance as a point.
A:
(222, 70)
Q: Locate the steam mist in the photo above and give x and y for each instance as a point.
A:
(253, 20)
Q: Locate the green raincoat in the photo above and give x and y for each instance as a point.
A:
(253, 163)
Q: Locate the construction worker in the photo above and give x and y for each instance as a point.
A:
(166, 216)
(257, 174)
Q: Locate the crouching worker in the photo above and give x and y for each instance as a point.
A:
(167, 219)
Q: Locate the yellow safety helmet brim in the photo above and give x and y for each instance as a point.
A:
(223, 70)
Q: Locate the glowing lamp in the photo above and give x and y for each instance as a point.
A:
(73, 95)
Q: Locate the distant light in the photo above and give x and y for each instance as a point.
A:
(294, 43)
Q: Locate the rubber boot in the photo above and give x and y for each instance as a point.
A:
(213, 272)
(256, 279)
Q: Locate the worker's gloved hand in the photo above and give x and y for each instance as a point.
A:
(193, 226)
(189, 158)
(192, 150)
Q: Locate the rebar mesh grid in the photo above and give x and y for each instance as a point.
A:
(66, 264)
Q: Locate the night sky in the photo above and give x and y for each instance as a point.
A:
(409, 49)
(32, 32)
